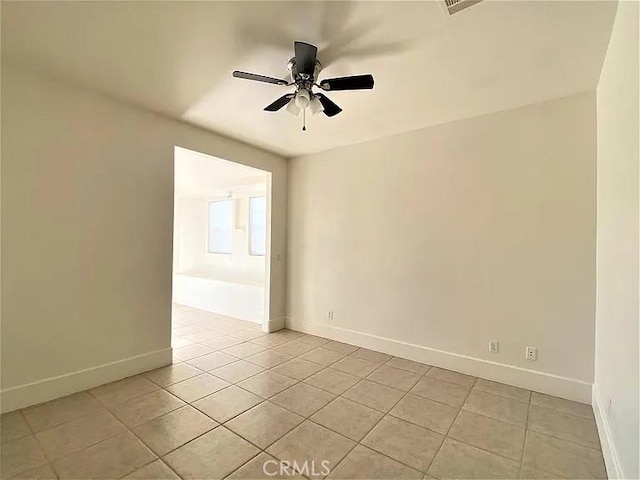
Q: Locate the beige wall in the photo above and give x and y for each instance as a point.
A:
(451, 236)
(87, 210)
(616, 370)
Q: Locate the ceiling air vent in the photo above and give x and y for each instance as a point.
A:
(454, 6)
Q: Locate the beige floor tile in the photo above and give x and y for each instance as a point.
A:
(314, 341)
(227, 403)
(174, 429)
(266, 384)
(213, 455)
(191, 351)
(561, 457)
(371, 356)
(564, 426)
(374, 395)
(499, 408)
(394, 377)
(297, 368)
(111, 458)
(313, 444)
(20, 455)
(340, 347)
(407, 443)
(493, 435)
(347, 418)
(221, 343)
(355, 366)
(212, 361)
(294, 348)
(237, 371)
(147, 407)
(451, 377)
(197, 387)
(459, 460)
(179, 342)
(117, 392)
(43, 472)
(12, 426)
(411, 366)
(249, 334)
(154, 471)
(271, 340)
(186, 330)
(172, 374)
(264, 467)
(534, 474)
(566, 406)
(443, 392)
(424, 412)
(78, 434)
(303, 399)
(502, 390)
(61, 410)
(243, 350)
(203, 336)
(269, 358)
(323, 356)
(363, 462)
(264, 424)
(333, 381)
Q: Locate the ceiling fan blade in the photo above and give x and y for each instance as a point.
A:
(330, 108)
(279, 103)
(305, 57)
(259, 78)
(357, 82)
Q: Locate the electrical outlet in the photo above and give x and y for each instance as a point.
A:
(531, 353)
(330, 315)
(494, 346)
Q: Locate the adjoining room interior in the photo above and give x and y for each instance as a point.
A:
(220, 236)
(324, 239)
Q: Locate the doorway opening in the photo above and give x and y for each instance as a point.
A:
(221, 246)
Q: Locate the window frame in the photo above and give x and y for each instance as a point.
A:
(209, 203)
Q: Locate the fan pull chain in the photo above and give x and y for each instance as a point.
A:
(304, 120)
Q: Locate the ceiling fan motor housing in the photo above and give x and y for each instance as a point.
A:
(298, 78)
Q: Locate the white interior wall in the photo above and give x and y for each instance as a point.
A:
(229, 284)
(431, 243)
(87, 219)
(615, 395)
(191, 223)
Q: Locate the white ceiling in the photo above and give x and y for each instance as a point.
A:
(198, 173)
(177, 57)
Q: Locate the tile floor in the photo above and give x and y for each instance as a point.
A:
(237, 398)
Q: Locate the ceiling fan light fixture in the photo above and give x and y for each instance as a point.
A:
(302, 98)
(315, 105)
(292, 108)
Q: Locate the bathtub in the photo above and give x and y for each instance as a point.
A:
(225, 295)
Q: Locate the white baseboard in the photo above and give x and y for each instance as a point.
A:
(606, 440)
(33, 393)
(569, 388)
(274, 324)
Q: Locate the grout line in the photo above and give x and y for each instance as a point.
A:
(296, 382)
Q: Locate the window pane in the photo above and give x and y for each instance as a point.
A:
(258, 225)
(220, 226)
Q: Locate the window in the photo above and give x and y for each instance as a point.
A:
(220, 226)
(257, 225)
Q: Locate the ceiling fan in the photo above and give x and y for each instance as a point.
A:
(304, 68)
